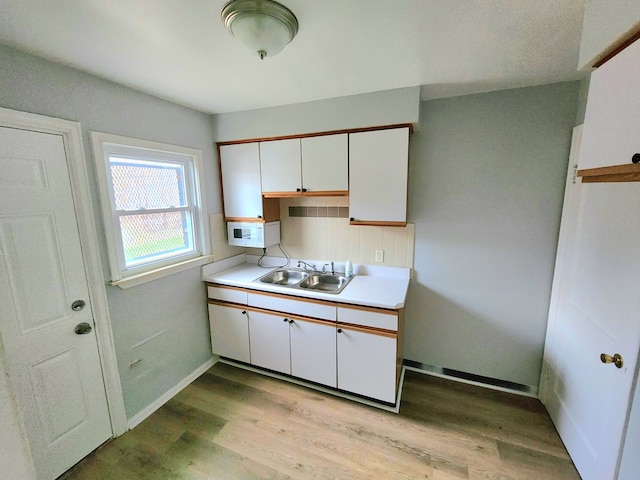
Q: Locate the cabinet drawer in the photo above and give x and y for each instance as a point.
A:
(227, 295)
(296, 307)
(368, 318)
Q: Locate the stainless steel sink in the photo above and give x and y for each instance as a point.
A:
(284, 277)
(325, 282)
(307, 280)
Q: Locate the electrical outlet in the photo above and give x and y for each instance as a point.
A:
(379, 255)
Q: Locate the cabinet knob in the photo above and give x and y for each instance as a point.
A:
(304, 189)
(259, 216)
(285, 320)
(339, 330)
(244, 312)
(352, 219)
(635, 158)
(291, 320)
(297, 189)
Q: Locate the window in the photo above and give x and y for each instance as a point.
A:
(151, 206)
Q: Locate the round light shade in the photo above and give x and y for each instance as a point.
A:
(264, 26)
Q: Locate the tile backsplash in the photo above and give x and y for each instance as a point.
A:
(317, 228)
(312, 234)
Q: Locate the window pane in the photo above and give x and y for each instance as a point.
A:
(149, 237)
(139, 184)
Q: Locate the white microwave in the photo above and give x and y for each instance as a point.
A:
(253, 234)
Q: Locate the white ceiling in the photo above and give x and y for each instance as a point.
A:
(179, 49)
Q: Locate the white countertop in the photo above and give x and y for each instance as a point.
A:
(382, 287)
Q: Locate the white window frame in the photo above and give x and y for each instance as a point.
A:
(104, 145)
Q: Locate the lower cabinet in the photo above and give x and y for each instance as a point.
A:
(367, 362)
(269, 340)
(229, 332)
(313, 351)
(351, 348)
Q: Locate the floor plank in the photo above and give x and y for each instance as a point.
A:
(235, 424)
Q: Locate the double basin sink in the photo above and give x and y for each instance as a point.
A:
(307, 280)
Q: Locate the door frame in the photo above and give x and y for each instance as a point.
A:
(71, 133)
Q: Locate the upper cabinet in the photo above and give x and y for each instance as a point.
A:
(611, 132)
(325, 165)
(369, 165)
(241, 189)
(378, 174)
(305, 166)
(280, 167)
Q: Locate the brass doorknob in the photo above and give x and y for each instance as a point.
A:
(616, 359)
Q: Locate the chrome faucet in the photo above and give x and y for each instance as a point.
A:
(333, 272)
(306, 266)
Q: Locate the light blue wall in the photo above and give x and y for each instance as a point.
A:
(366, 110)
(486, 186)
(175, 304)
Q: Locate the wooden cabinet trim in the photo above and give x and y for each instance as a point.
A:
(386, 311)
(629, 172)
(375, 223)
(229, 287)
(327, 193)
(318, 134)
(302, 318)
(224, 303)
(374, 331)
(616, 49)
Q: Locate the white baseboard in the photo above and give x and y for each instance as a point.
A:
(146, 412)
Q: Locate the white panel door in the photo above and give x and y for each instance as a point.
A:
(269, 336)
(367, 363)
(240, 171)
(55, 373)
(325, 163)
(378, 168)
(597, 311)
(280, 166)
(313, 351)
(612, 125)
(229, 332)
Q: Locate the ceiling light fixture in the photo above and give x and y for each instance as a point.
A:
(264, 26)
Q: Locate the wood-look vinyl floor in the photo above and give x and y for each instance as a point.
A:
(234, 424)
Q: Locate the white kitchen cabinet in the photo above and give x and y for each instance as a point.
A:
(229, 332)
(305, 166)
(240, 171)
(270, 341)
(325, 164)
(313, 351)
(378, 175)
(367, 362)
(611, 132)
(281, 167)
(349, 347)
(241, 185)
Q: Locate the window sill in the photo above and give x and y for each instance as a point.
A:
(145, 277)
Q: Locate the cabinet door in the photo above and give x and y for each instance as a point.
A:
(611, 132)
(378, 166)
(270, 341)
(325, 164)
(280, 166)
(229, 332)
(367, 363)
(240, 171)
(313, 351)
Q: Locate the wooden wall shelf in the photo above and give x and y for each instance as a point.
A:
(629, 172)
